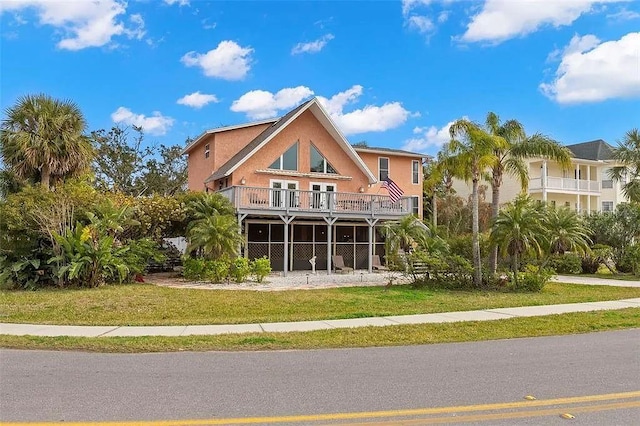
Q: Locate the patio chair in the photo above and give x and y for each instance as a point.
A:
(376, 265)
(338, 265)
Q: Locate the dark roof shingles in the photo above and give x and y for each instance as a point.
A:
(593, 150)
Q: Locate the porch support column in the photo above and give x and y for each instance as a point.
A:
(372, 223)
(241, 217)
(287, 220)
(330, 221)
(578, 203)
(543, 181)
(589, 189)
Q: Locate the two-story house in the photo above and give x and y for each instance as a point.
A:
(586, 186)
(302, 193)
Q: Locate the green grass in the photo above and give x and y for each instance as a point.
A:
(573, 323)
(143, 304)
(619, 276)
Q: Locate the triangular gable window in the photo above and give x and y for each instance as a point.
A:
(319, 164)
(288, 160)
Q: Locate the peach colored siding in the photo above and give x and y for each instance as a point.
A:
(306, 129)
(198, 167)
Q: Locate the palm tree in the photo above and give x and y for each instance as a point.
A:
(519, 228)
(566, 231)
(628, 154)
(217, 236)
(201, 205)
(510, 160)
(472, 153)
(405, 234)
(44, 135)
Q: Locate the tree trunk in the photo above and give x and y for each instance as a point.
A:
(495, 208)
(475, 229)
(45, 176)
(434, 210)
(514, 268)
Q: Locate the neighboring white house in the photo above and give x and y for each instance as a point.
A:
(585, 187)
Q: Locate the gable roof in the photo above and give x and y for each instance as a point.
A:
(381, 150)
(197, 140)
(593, 150)
(270, 132)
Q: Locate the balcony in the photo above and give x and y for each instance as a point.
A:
(274, 202)
(566, 185)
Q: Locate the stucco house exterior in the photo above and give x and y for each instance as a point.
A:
(301, 191)
(585, 186)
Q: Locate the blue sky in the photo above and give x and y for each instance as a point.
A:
(393, 73)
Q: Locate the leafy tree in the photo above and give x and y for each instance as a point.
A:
(472, 153)
(123, 163)
(566, 230)
(511, 156)
(42, 136)
(519, 228)
(628, 154)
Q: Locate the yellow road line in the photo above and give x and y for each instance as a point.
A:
(352, 416)
(503, 416)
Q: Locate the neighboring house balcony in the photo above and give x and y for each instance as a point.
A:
(301, 203)
(564, 185)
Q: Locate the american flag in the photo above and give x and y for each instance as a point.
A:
(394, 190)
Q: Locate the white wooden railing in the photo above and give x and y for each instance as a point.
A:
(565, 184)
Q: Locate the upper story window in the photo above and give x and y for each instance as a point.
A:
(383, 168)
(206, 151)
(415, 172)
(319, 164)
(288, 160)
(607, 206)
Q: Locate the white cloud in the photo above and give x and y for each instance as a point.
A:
(228, 61)
(443, 16)
(624, 15)
(370, 118)
(157, 124)
(428, 137)
(500, 20)
(260, 104)
(420, 23)
(592, 71)
(197, 100)
(408, 5)
(312, 46)
(83, 24)
(178, 2)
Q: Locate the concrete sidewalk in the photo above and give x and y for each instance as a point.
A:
(577, 279)
(191, 330)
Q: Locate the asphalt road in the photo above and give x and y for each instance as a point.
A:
(68, 386)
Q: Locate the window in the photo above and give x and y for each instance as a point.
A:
(607, 184)
(319, 164)
(415, 171)
(607, 206)
(288, 160)
(206, 151)
(415, 205)
(383, 168)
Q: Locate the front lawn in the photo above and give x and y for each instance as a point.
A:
(144, 304)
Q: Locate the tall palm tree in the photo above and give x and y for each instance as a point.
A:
(510, 160)
(44, 135)
(217, 236)
(472, 154)
(566, 230)
(628, 154)
(519, 228)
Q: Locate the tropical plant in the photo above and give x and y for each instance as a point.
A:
(44, 136)
(472, 153)
(215, 236)
(240, 269)
(566, 231)
(519, 228)
(511, 156)
(628, 154)
(260, 268)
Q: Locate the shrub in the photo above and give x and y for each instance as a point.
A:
(260, 268)
(568, 263)
(533, 279)
(630, 261)
(193, 269)
(240, 269)
(440, 270)
(599, 254)
(218, 270)
(140, 254)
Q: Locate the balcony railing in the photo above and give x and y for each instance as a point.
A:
(278, 201)
(565, 184)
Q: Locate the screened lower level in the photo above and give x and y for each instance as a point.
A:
(309, 239)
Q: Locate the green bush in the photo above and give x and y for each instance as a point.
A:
(440, 270)
(218, 270)
(567, 263)
(240, 269)
(533, 279)
(193, 269)
(600, 254)
(260, 268)
(630, 261)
